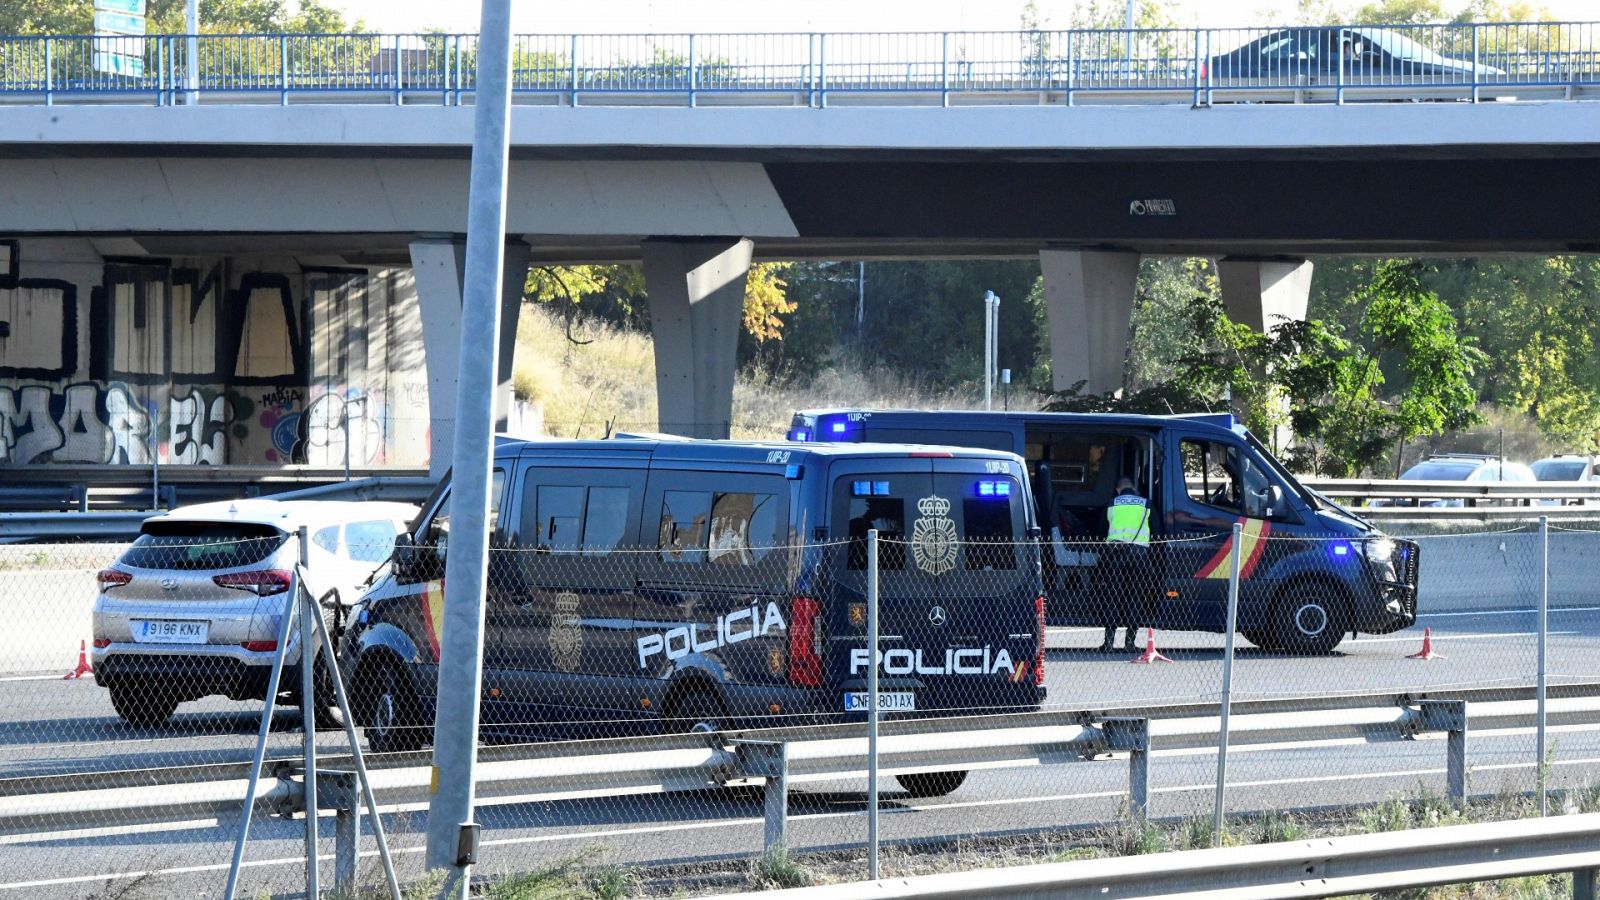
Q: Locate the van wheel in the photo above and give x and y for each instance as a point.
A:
(139, 705)
(696, 712)
(931, 784)
(1309, 619)
(391, 718)
(1262, 639)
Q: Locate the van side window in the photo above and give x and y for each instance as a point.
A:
(683, 526)
(438, 530)
(569, 518)
(743, 528)
(1221, 475)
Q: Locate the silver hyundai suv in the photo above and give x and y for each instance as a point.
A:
(193, 606)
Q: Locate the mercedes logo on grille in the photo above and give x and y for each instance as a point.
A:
(936, 615)
(169, 584)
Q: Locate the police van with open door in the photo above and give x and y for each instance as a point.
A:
(638, 585)
(1311, 570)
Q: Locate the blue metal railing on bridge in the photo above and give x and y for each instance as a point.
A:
(1199, 66)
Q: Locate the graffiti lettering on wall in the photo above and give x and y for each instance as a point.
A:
(334, 420)
(94, 423)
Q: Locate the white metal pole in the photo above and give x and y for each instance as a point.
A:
(267, 709)
(1227, 686)
(308, 705)
(1544, 633)
(191, 65)
(991, 304)
(452, 835)
(872, 704)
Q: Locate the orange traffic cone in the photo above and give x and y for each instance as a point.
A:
(1150, 654)
(1427, 647)
(82, 668)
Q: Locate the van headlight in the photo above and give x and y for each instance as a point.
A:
(1379, 551)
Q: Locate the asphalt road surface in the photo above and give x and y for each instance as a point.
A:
(54, 726)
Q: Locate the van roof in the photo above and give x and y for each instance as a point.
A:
(1220, 421)
(689, 450)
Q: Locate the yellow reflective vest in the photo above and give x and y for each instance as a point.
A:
(1128, 521)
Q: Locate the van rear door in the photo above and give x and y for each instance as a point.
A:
(958, 583)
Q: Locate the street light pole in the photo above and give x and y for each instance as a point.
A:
(452, 834)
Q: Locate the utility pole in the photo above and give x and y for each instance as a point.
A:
(452, 833)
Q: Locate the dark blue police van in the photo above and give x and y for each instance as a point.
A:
(644, 584)
(1311, 570)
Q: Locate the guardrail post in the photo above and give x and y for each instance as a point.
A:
(769, 760)
(1583, 885)
(341, 791)
(1449, 716)
(1133, 737)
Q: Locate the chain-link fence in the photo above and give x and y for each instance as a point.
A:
(607, 657)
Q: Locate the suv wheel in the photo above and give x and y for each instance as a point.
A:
(931, 784)
(391, 723)
(141, 705)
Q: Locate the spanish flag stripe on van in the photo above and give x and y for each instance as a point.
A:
(1253, 543)
(433, 614)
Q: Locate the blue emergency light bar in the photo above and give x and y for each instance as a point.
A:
(869, 488)
(994, 489)
(838, 427)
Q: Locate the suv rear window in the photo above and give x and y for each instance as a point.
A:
(202, 545)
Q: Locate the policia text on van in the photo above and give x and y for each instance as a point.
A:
(644, 584)
(1311, 570)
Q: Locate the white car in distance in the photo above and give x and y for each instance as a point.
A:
(193, 607)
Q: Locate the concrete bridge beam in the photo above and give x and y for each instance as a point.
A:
(1089, 309)
(1263, 293)
(439, 265)
(696, 289)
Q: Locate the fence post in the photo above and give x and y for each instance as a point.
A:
(49, 71)
(822, 70)
(1133, 737)
(1474, 62)
(1540, 771)
(572, 69)
(1071, 68)
(283, 70)
(944, 69)
(872, 704)
(1227, 684)
(694, 72)
(302, 607)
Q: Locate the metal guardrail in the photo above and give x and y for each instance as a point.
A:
(1323, 867)
(778, 757)
(1193, 66)
(95, 525)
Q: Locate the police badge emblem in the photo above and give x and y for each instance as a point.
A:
(933, 536)
(566, 638)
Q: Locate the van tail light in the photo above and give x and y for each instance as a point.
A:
(1038, 634)
(262, 583)
(110, 578)
(805, 642)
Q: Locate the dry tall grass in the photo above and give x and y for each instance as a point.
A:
(609, 379)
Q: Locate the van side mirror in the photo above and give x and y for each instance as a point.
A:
(413, 561)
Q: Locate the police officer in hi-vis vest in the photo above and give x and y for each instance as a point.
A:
(1130, 577)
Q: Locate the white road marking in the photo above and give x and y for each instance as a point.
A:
(1506, 612)
(1453, 637)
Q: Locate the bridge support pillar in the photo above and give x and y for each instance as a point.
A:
(438, 266)
(696, 290)
(1262, 293)
(1089, 307)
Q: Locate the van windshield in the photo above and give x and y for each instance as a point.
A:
(1311, 498)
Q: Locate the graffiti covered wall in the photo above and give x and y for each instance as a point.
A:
(205, 362)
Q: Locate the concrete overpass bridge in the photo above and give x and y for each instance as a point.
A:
(224, 278)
